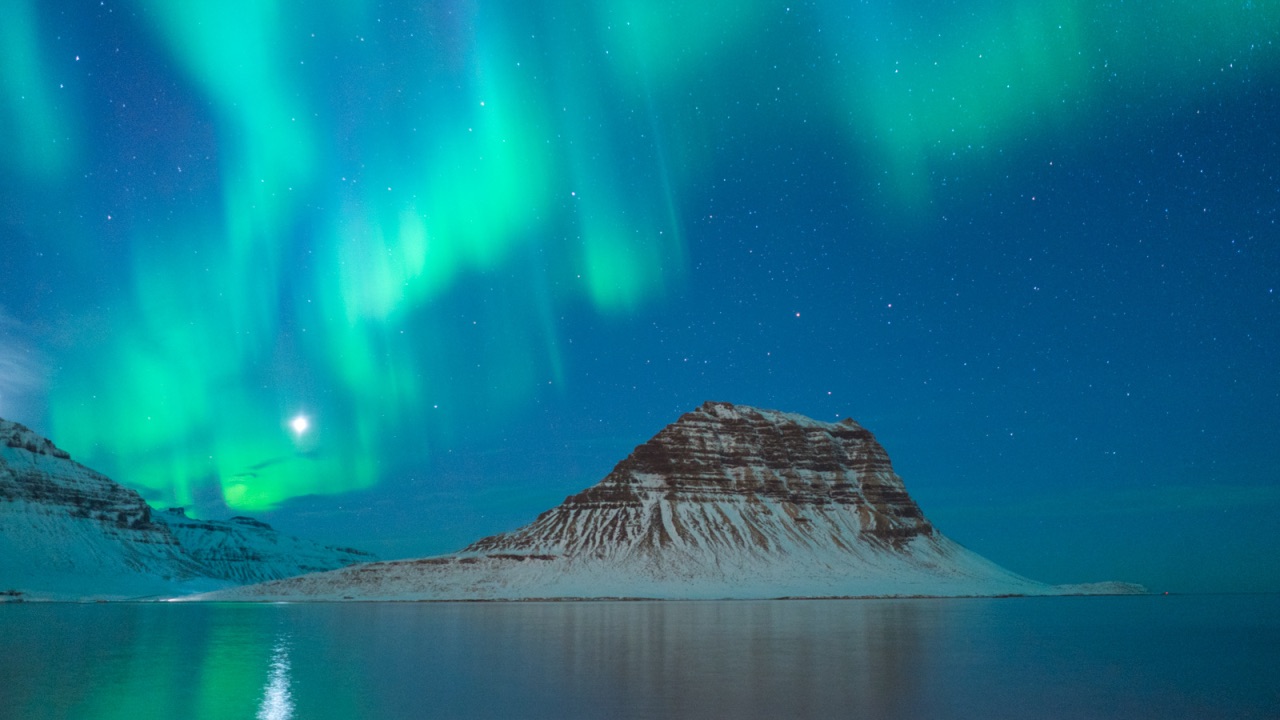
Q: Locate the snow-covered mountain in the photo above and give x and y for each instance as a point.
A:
(727, 502)
(68, 532)
(243, 550)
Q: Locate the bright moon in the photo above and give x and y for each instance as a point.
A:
(300, 424)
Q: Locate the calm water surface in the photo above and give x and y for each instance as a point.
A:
(1121, 657)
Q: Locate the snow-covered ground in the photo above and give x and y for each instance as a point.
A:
(929, 568)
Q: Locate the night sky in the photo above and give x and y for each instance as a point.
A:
(398, 275)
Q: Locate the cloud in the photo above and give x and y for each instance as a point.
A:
(23, 373)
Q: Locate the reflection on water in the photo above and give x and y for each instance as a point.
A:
(658, 660)
(1208, 657)
(277, 703)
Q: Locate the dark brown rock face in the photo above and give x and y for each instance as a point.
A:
(726, 476)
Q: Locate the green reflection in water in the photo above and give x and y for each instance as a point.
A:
(1176, 657)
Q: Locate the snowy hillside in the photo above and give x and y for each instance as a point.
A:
(244, 550)
(68, 532)
(728, 502)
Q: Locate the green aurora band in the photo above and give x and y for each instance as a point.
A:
(408, 207)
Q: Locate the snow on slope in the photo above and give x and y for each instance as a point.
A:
(68, 532)
(728, 502)
(244, 550)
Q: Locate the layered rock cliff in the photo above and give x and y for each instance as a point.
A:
(732, 479)
(68, 532)
(727, 502)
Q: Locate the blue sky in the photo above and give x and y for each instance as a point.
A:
(487, 249)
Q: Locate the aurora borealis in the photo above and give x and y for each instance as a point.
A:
(484, 249)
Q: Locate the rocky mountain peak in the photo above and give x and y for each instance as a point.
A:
(17, 435)
(729, 475)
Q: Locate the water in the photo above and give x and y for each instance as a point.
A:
(1118, 657)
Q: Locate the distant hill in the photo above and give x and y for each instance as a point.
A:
(727, 502)
(68, 533)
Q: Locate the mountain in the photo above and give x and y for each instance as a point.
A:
(68, 532)
(727, 502)
(243, 550)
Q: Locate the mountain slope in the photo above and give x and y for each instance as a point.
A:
(727, 502)
(68, 532)
(243, 550)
